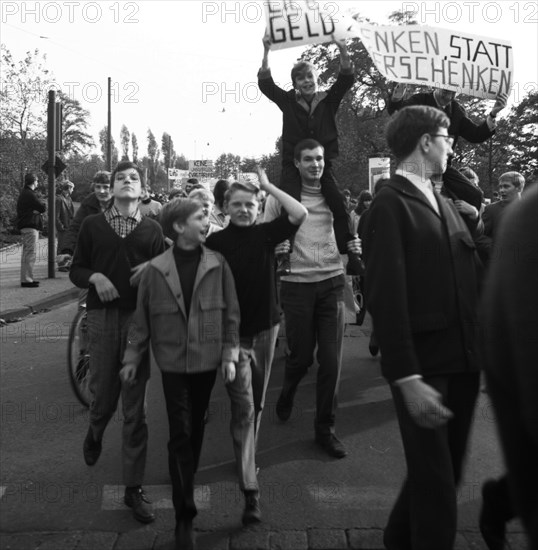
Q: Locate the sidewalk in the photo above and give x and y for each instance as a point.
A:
(17, 302)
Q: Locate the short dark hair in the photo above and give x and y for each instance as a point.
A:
(29, 179)
(177, 193)
(408, 125)
(364, 196)
(301, 67)
(219, 191)
(178, 210)
(102, 176)
(305, 144)
(194, 181)
(125, 165)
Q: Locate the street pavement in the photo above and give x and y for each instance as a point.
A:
(49, 499)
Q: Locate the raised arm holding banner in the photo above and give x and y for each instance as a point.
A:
(456, 61)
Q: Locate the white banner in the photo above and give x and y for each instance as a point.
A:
(465, 63)
(293, 23)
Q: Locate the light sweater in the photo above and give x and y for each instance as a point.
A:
(314, 256)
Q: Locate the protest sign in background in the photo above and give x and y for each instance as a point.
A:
(293, 23)
(462, 62)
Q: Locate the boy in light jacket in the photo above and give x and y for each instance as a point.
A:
(187, 306)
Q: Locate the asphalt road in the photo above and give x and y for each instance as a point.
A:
(45, 485)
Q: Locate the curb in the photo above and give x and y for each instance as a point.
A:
(56, 300)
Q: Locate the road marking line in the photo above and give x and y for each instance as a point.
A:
(2, 491)
(160, 496)
(352, 497)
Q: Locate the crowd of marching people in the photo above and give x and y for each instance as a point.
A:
(450, 284)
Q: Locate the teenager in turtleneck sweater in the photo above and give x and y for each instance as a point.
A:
(187, 307)
(249, 248)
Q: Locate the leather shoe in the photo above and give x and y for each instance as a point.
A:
(331, 445)
(91, 449)
(284, 406)
(136, 498)
(491, 521)
(184, 535)
(30, 284)
(251, 513)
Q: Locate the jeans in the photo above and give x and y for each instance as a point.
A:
(187, 397)
(314, 314)
(29, 252)
(107, 337)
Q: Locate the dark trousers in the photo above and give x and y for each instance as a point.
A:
(314, 314)
(187, 397)
(108, 330)
(425, 513)
(290, 182)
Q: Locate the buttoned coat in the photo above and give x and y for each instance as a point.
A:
(421, 283)
(181, 343)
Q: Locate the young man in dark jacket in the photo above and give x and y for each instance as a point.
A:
(421, 289)
(111, 246)
(30, 223)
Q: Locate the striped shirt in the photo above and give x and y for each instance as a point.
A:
(122, 226)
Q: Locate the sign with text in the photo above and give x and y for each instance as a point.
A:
(428, 56)
(201, 166)
(293, 23)
(177, 174)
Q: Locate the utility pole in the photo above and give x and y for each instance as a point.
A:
(109, 129)
(51, 149)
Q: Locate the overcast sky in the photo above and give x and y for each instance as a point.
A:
(189, 67)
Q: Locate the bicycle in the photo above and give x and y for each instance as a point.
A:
(78, 358)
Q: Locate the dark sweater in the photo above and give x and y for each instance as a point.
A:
(27, 204)
(90, 205)
(187, 262)
(250, 253)
(100, 250)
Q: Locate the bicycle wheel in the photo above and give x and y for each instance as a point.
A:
(78, 358)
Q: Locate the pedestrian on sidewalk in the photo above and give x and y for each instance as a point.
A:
(249, 249)
(65, 212)
(312, 298)
(97, 201)
(187, 308)
(421, 289)
(111, 248)
(30, 209)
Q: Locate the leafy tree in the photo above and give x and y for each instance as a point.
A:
(103, 143)
(75, 121)
(23, 105)
(134, 144)
(23, 95)
(227, 165)
(125, 138)
(153, 159)
(167, 147)
(248, 165)
(181, 162)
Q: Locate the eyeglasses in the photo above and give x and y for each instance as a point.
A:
(448, 139)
